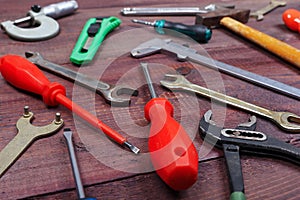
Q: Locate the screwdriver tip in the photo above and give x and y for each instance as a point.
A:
(133, 148)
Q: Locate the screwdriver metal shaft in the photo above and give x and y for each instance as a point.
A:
(75, 169)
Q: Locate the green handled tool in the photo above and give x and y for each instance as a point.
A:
(91, 37)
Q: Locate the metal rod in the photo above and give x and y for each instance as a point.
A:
(148, 79)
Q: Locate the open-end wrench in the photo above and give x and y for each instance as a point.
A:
(285, 120)
(185, 53)
(259, 14)
(111, 93)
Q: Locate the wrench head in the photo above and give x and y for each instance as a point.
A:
(174, 81)
(33, 56)
(119, 95)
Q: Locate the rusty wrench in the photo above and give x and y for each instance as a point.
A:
(109, 92)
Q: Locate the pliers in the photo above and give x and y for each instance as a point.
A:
(243, 139)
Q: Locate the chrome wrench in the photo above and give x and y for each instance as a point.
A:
(285, 120)
(109, 92)
(185, 53)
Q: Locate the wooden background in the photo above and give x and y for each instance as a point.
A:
(109, 172)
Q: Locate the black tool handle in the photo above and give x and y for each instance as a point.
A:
(200, 33)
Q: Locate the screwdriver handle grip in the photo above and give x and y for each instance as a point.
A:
(172, 152)
(24, 75)
(291, 18)
(198, 32)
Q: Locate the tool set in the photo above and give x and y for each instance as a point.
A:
(24, 75)
(172, 152)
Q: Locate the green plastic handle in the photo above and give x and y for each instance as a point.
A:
(237, 196)
(79, 56)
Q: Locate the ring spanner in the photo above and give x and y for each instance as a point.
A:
(185, 53)
(41, 21)
(285, 120)
(109, 92)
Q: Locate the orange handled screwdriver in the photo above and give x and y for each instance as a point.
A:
(172, 152)
(24, 75)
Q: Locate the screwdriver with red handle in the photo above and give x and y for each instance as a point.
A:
(24, 75)
(172, 152)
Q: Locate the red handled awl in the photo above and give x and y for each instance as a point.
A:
(172, 152)
(22, 74)
(291, 18)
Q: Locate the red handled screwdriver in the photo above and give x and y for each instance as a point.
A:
(172, 152)
(24, 75)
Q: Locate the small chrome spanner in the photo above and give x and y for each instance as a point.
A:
(285, 120)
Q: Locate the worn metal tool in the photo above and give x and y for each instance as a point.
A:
(285, 120)
(41, 22)
(275, 46)
(114, 95)
(27, 134)
(153, 11)
(188, 54)
(244, 139)
(259, 14)
(79, 187)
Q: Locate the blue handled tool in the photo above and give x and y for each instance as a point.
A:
(91, 37)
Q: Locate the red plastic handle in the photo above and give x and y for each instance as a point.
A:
(21, 73)
(173, 154)
(291, 18)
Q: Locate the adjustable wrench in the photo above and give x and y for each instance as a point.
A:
(186, 53)
(109, 92)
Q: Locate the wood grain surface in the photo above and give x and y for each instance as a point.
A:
(110, 172)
